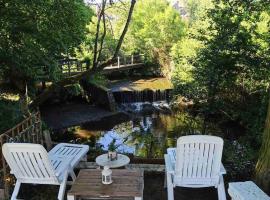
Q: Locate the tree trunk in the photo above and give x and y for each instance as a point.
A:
(48, 92)
(263, 164)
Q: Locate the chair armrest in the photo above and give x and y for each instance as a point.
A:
(222, 169)
(168, 164)
(65, 165)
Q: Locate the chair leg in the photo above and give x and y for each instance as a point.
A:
(16, 190)
(73, 176)
(62, 188)
(221, 189)
(169, 187)
(165, 180)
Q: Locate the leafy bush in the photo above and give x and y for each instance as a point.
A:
(74, 90)
(10, 114)
(99, 79)
(239, 159)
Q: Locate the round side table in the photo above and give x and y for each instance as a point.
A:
(121, 161)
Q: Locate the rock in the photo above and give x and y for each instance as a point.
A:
(181, 103)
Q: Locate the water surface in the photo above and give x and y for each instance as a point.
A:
(146, 135)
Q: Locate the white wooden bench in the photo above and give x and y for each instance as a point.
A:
(195, 163)
(246, 191)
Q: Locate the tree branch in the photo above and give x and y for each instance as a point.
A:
(100, 14)
(88, 73)
(121, 39)
(102, 37)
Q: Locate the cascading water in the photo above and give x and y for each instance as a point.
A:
(142, 96)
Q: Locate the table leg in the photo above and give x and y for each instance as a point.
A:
(71, 197)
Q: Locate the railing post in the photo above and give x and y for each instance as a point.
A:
(132, 59)
(118, 61)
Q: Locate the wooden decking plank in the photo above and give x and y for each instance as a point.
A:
(126, 183)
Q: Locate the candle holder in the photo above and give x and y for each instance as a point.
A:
(106, 175)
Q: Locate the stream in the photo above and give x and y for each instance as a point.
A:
(147, 133)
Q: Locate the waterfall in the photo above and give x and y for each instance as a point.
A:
(142, 96)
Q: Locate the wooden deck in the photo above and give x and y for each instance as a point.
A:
(153, 190)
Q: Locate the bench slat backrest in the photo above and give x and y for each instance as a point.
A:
(198, 160)
(29, 163)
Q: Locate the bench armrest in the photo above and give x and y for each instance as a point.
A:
(222, 169)
(168, 164)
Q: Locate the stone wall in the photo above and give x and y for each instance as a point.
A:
(99, 95)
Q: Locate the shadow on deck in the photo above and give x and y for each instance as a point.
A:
(153, 190)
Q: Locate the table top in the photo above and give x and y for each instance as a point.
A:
(126, 184)
(121, 161)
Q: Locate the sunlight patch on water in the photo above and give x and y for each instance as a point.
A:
(107, 138)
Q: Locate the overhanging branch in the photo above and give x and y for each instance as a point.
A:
(47, 93)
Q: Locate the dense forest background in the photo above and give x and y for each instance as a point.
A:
(216, 52)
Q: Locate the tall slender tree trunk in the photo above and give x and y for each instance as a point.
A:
(90, 72)
(263, 164)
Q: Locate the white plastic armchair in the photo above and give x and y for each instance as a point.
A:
(195, 163)
(30, 163)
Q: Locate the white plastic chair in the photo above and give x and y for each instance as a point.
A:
(30, 163)
(195, 163)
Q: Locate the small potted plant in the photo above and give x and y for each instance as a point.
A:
(112, 154)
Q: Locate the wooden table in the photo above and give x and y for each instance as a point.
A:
(127, 184)
(121, 161)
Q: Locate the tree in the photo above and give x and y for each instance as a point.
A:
(156, 26)
(228, 66)
(263, 164)
(35, 34)
(97, 64)
(185, 51)
(229, 71)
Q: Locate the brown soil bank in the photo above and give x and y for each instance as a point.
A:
(67, 115)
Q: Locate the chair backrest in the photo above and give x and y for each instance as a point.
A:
(198, 160)
(29, 163)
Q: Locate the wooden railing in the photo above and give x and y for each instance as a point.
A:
(128, 60)
(73, 66)
(28, 131)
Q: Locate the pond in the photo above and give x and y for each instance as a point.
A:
(148, 132)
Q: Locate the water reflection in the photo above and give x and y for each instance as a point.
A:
(144, 136)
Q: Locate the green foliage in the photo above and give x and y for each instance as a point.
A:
(239, 159)
(74, 90)
(36, 34)
(224, 62)
(155, 27)
(86, 49)
(185, 51)
(99, 79)
(10, 114)
(112, 146)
